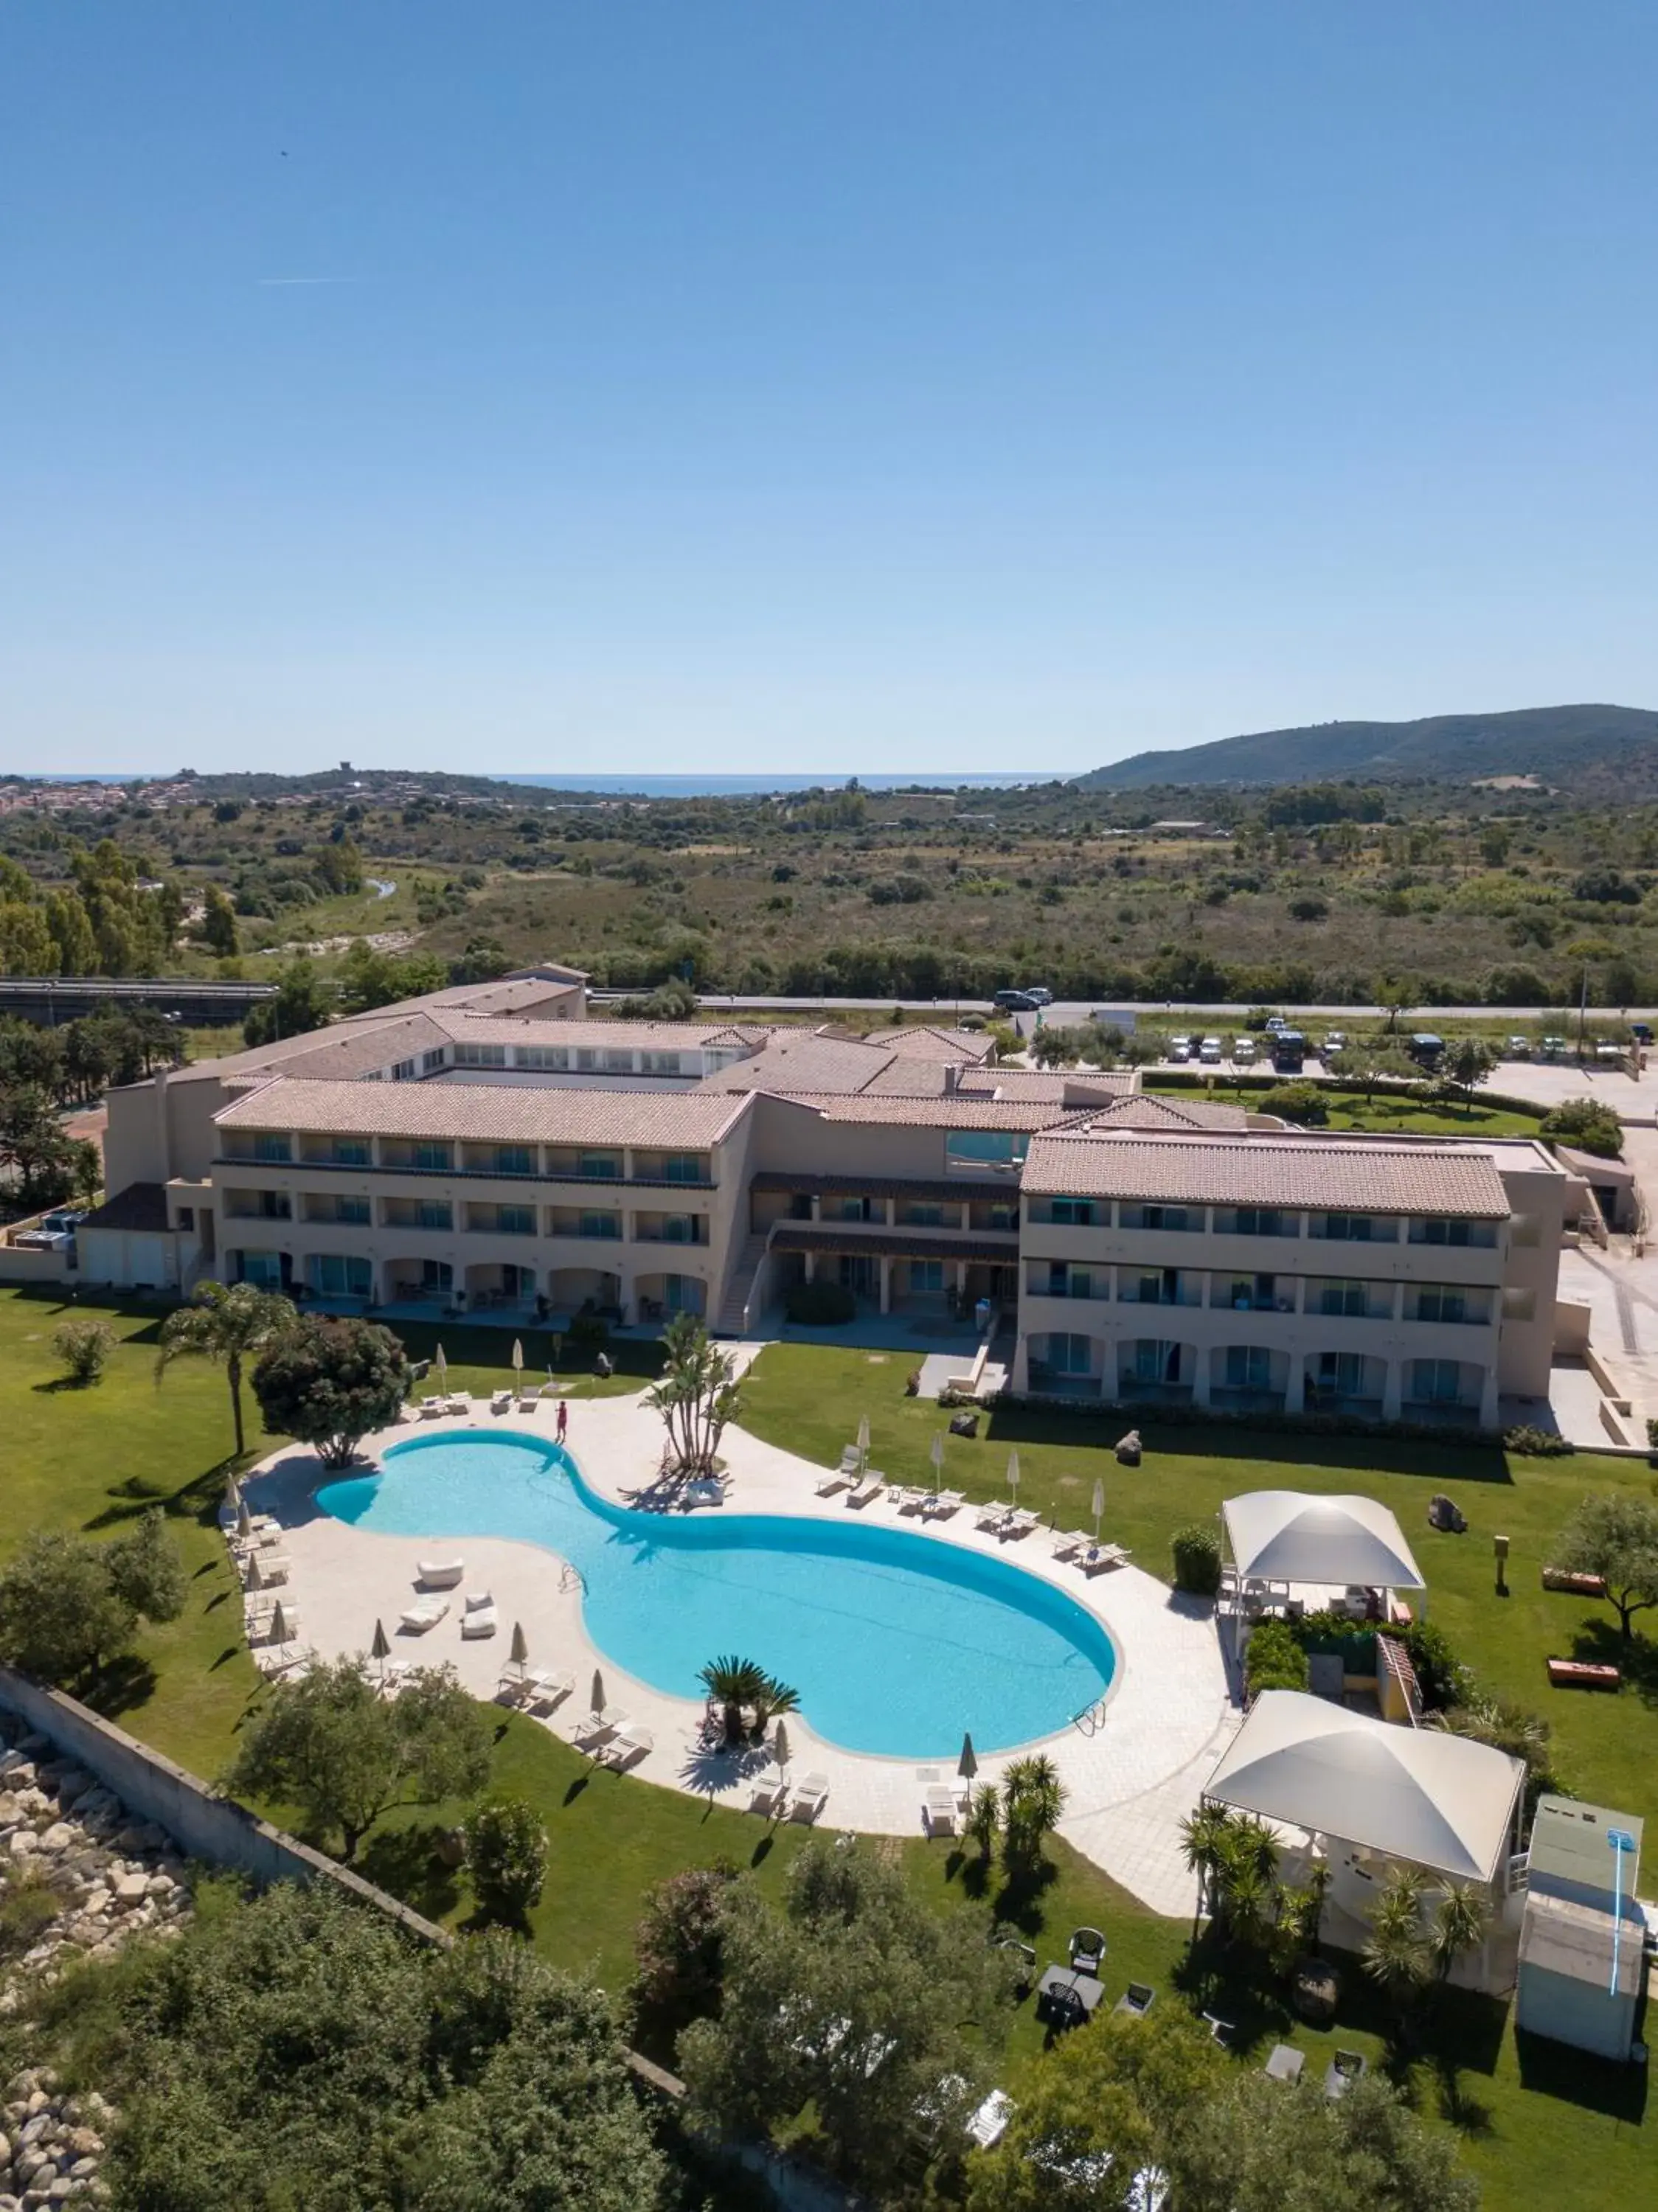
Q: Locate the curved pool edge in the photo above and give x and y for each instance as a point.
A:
(648, 1527)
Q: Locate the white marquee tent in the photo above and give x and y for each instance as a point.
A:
(1418, 1795)
(1291, 1536)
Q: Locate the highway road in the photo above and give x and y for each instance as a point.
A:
(1067, 1012)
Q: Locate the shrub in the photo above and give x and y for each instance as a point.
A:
(588, 1332)
(84, 1346)
(1548, 1443)
(330, 1383)
(1275, 1659)
(1441, 1676)
(819, 1305)
(1587, 1125)
(147, 1571)
(506, 1852)
(1197, 1555)
(1295, 1102)
(61, 1617)
(681, 1944)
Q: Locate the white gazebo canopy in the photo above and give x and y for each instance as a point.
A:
(1435, 1800)
(1291, 1536)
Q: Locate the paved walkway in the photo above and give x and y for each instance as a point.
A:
(1131, 1772)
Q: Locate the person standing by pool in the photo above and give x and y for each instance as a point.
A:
(564, 1418)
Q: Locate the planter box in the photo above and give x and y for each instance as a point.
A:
(1558, 1578)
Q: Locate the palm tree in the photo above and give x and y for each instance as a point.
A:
(770, 1701)
(230, 1324)
(699, 1396)
(735, 1683)
(984, 1819)
(1458, 1925)
(1033, 1798)
(1396, 1952)
(1204, 1836)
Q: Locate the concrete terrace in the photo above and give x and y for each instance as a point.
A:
(1131, 1771)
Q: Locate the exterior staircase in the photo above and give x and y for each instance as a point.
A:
(730, 1321)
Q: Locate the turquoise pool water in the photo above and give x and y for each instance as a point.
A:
(896, 1642)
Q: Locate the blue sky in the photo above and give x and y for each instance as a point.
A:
(894, 385)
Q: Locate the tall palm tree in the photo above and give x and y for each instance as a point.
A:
(1396, 1951)
(230, 1325)
(1033, 1798)
(735, 1683)
(1458, 1925)
(1204, 1836)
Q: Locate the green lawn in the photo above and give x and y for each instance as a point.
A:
(1534, 2127)
(1352, 1109)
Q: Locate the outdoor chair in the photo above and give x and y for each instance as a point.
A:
(1137, 1998)
(1224, 2032)
(831, 1483)
(545, 1690)
(1087, 1950)
(1343, 2070)
(768, 1791)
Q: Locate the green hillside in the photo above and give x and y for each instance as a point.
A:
(1555, 743)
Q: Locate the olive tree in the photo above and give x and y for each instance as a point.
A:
(1614, 1534)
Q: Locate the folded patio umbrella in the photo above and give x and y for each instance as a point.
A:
(967, 1765)
(937, 1455)
(1013, 1474)
(255, 1580)
(597, 1701)
(780, 1749)
(517, 1357)
(1099, 1505)
(519, 1656)
(244, 1521)
(280, 1632)
(863, 1441)
(380, 1648)
(441, 1368)
(233, 1494)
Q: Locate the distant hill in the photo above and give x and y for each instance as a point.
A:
(1559, 744)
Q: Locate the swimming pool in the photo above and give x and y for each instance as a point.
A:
(896, 1642)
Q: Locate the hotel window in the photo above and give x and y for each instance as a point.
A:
(434, 1214)
(919, 1214)
(1343, 1372)
(514, 1159)
(1070, 1355)
(431, 1061)
(433, 1158)
(1260, 1221)
(350, 1153)
(1435, 1382)
(604, 1165)
(1249, 1367)
(336, 1275)
(404, 1070)
(478, 1055)
(1439, 1301)
(1352, 1298)
(1443, 1231)
(269, 1147)
(515, 1220)
(1074, 1213)
(618, 1062)
(926, 1275)
(356, 1211)
(1348, 1228)
(684, 1167)
(586, 1057)
(600, 1225)
(548, 1057)
(659, 1063)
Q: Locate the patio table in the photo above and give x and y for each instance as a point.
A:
(1286, 2063)
(1063, 1991)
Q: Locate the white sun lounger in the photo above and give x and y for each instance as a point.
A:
(839, 1480)
(597, 1726)
(478, 1616)
(439, 1574)
(863, 1493)
(906, 1500)
(628, 1745)
(1019, 1524)
(274, 1566)
(542, 1691)
(529, 1394)
(1100, 1559)
(811, 1794)
(940, 1503)
(850, 1459)
(939, 1808)
(767, 1790)
(502, 1399)
(1070, 1542)
(425, 1612)
(432, 1409)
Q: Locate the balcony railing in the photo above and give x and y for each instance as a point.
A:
(494, 1174)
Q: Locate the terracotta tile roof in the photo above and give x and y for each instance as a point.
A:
(488, 1113)
(469, 1028)
(343, 1053)
(801, 1060)
(1142, 1111)
(1250, 1170)
(927, 1043)
(1039, 1084)
(953, 1111)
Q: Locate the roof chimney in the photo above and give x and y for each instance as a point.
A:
(952, 1077)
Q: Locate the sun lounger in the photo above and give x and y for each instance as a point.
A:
(432, 1409)
(939, 1809)
(1100, 1559)
(478, 1616)
(529, 1394)
(439, 1574)
(389, 1675)
(500, 1401)
(850, 1459)
(906, 1500)
(810, 1794)
(942, 1503)
(458, 1402)
(258, 1630)
(597, 1726)
(285, 1659)
(1019, 1524)
(990, 1519)
(767, 1791)
(867, 1492)
(841, 1479)
(1285, 2063)
(1067, 1546)
(1343, 2070)
(425, 1612)
(274, 1567)
(546, 1690)
(627, 1746)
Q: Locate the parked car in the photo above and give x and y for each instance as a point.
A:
(1243, 1052)
(1519, 1047)
(1180, 1047)
(1015, 1002)
(1335, 1042)
(1425, 1048)
(1610, 1052)
(1641, 1032)
(1554, 1047)
(1209, 1052)
(1039, 994)
(1289, 1052)
(1275, 1023)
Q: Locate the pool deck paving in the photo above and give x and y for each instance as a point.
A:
(1133, 1767)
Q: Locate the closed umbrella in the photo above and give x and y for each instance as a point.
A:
(597, 1699)
(967, 1765)
(863, 1444)
(244, 1522)
(440, 1369)
(280, 1631)
(517, 1357)
(780, 1748)
(1013, 1475)
(520, 1655)
(1098, 1504)
(381, 1649)
(255, 1580)
(232, 1496)
(936, 1456)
